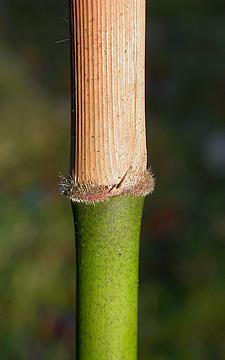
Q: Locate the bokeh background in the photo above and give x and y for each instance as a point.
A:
(182, 272)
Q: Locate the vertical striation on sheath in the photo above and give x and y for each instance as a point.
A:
(108, 81)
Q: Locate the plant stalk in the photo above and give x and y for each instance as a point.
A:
(108, 176)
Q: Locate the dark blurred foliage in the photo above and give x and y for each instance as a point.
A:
(182, 273)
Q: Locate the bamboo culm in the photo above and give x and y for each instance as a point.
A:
(108, 174)
(107, 246)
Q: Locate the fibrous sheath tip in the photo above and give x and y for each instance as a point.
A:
(93, 193)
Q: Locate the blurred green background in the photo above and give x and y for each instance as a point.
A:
(182, 272)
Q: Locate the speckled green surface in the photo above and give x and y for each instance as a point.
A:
(107, 246)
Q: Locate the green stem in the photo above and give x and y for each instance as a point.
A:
(107, 252)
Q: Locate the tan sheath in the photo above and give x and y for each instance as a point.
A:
(108, 151)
